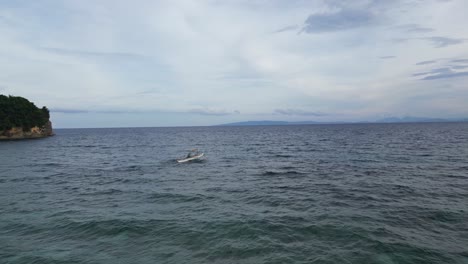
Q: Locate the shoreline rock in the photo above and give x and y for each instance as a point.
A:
(17, 133)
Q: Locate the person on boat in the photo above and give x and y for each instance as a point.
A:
(189, 155)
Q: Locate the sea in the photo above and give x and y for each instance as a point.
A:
(357, 193)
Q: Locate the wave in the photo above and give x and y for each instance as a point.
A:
(96, 228)
(52, 164)
(283, 156)
(177, 198)
(288, 172)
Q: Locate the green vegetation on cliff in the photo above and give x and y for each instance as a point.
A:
(17, 111)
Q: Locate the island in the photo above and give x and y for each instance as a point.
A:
(22, 119)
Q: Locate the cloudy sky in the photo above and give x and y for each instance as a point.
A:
(201, 62)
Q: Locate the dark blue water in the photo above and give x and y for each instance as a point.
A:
(392, 193)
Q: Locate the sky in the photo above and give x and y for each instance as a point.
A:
(116, 63)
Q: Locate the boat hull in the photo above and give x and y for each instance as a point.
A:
(191, 158)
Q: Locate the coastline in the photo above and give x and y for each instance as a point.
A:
(17, 133)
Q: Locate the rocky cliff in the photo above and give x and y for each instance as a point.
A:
(35, 132)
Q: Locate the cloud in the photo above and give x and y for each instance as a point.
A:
(414, 28)
(91, 54)
(442, 42)
(288, 28)
(200, 111)
(298, 112)
(68, 111)
(447, 65)
(400, 40)
(442, 73)
(426, 62)
(168, 61)
(441, 70)
(434, 71)
(438, 42)
(459, 67)
(212, 112)
(387, 57)
(420, 74)
(447, 75)
(460, 60)
(342, 20)
(100, 111)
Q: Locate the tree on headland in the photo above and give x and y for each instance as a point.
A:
(17, 111)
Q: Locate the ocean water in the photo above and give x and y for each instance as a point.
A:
(367, 193)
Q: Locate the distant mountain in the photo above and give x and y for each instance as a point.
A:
(272, 123)
(412, 119)
(406, 119)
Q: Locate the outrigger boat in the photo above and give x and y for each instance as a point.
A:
(193, 154)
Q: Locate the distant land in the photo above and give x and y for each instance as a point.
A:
(407, 119)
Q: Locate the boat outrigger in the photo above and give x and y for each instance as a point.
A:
(193, 155)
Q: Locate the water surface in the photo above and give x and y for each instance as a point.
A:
(387, 193)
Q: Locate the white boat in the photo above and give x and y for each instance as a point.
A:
(192, 155)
